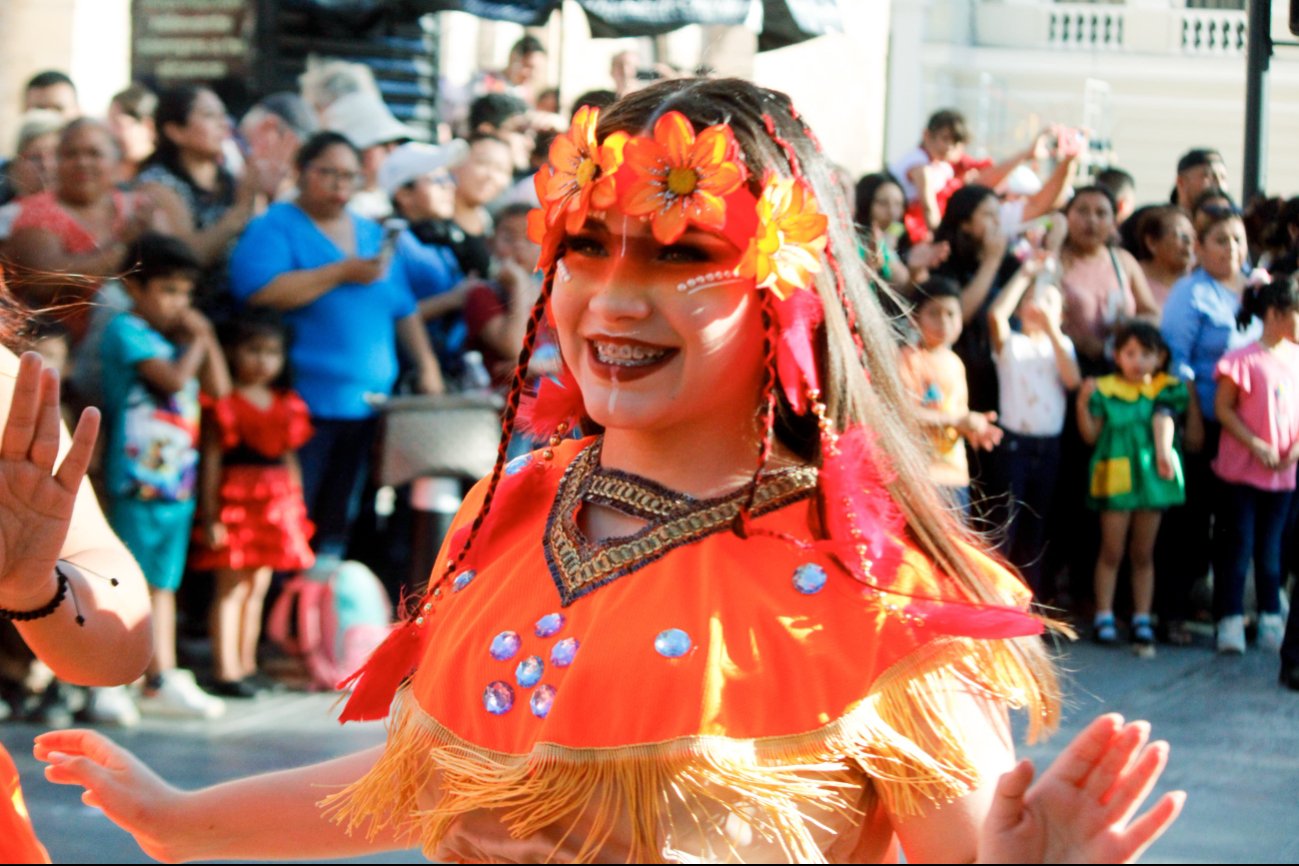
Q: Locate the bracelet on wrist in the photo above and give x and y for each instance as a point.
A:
(48, 608)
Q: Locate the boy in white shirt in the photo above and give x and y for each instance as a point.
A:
(1036, 368)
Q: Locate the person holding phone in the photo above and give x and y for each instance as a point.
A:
(321, 265)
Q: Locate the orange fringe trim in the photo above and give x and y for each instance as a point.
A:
(902, 736)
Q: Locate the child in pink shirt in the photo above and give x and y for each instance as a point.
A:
(1258, 406)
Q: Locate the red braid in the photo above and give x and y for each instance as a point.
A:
(768, 406)
(507, 421)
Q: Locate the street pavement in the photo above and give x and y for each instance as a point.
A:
(1234, 735)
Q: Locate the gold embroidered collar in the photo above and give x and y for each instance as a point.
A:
(673, 519)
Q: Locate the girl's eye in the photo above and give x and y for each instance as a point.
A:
(683, 254)
(585, 245)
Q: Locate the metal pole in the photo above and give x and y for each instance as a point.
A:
(1256, 97)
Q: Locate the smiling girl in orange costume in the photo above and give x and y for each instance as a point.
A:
(739, 624)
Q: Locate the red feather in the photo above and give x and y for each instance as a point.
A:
(859, 508)
(797, 318)
(375, 684)
(557, 401)
(977, 621)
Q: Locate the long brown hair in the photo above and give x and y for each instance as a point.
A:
(856, 350)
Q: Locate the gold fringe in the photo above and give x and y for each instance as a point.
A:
(902, 736)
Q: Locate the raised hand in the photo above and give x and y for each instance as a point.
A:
(118, 783)
(36, 503)
(1082, 809)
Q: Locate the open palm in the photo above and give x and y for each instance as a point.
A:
(36, 503)
(1084, 808)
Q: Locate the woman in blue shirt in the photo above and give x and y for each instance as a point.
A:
(1199, 326)
(320, 264)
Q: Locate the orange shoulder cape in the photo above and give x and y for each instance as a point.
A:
(18, 842)
(564, 678)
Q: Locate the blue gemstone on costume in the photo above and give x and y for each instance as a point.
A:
(498, 698)
(542, 700)
(518, 464)
(505, 646)
(809, 578)
(562, 653)
(672, 644)
(550, 624)
(529, 671)
(463, 579)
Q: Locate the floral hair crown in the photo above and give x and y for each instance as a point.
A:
(676, 178)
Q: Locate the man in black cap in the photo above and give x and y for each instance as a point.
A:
(1198, 171)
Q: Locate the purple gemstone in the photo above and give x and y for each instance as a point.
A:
(542, 700)
(672, 643)
(562, 653)
(809, 578)
(505, 646)
(498, 698)
(463, 579)
(550, 624)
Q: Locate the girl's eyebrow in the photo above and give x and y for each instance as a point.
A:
(595, 224)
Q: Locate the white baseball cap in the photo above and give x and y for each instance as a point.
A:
(416, 159)
(366, 121)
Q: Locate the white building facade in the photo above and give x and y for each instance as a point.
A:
(1152, 78)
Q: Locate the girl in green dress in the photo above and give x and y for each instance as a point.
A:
(1136, 472)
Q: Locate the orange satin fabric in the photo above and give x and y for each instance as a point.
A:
(767, 661)
(18, 842)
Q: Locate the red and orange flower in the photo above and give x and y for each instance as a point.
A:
(681, 178)
(581, 172)
(786, 250)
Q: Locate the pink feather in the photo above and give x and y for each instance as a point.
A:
(797, 319)
(977, 621)
(556, 402)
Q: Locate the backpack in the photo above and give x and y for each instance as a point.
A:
(332, 617)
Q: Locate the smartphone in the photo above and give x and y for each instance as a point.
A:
(392, 229)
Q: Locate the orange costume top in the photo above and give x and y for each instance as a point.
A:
(678, 694)
(18, 842)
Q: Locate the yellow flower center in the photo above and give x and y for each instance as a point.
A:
(682, 181)
(586, 171)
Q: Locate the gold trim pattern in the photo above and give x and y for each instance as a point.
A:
(579, 567)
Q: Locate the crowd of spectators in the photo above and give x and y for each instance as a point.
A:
(321, 228)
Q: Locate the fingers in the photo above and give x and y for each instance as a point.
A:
(23, 410)
(44, 449)
(76, 742)
(1081, 756)
(77, 461)
(1145, 830)
(1135, 785)
(1119, 755)
(1008, 802)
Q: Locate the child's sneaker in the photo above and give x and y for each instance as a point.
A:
(177, 695)
(1231, 635)
(111, 706)
(1143, 637)
(1271, 632)
(1104, 630)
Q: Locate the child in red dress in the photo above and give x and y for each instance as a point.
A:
(254, 520)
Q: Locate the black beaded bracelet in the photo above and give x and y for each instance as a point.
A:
(40, 612)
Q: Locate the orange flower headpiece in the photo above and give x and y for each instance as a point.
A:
(676, 178)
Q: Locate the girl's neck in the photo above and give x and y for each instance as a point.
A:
(324, 215)
(1272, 337)
(201, 170)
(1140, 380)
(702, 463)
(258, 393)
(1082, 251)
